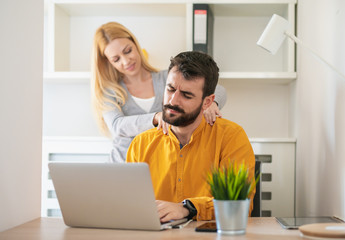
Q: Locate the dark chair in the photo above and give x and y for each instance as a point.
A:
(257, 197)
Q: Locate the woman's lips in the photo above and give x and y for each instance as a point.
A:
(131, 67)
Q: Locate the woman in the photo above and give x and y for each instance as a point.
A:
(127, 91)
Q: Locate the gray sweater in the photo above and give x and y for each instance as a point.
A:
(131, 120)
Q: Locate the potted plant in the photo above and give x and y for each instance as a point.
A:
(231, 186)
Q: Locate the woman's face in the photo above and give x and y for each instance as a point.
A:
(124, 56)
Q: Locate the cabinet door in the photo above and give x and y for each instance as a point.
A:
(277, 179)
(67, 150)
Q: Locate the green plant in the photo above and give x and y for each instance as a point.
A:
(231, 183)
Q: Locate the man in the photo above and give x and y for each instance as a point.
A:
(179, 161)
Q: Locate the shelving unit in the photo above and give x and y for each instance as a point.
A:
(164, 28)
(258, 84)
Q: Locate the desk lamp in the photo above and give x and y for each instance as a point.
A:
(274, 35)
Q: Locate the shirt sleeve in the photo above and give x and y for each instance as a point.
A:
(131, 156)
(127, 126)
(242, 152)
(204, 207)
(236, 148)
(220, 96)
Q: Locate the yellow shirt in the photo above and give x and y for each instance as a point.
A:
(179, 174)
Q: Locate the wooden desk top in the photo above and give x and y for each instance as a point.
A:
(55, 229)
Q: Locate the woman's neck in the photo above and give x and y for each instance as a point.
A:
(142, 76)
(140, 85)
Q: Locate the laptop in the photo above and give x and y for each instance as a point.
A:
(107, 195)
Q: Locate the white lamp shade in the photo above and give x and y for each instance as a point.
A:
(274, 34)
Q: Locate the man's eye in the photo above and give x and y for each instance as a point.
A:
(187, 96)
(170, 89)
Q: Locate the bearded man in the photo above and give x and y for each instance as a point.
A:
(180, 160)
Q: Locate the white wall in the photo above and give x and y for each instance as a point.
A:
(21, 27)
(261, 109)
(67, 110)
(320, 109)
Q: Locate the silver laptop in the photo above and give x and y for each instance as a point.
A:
(107, 195)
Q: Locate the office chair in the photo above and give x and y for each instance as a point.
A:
(257, 197)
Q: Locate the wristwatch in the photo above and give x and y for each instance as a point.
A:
(190, 207)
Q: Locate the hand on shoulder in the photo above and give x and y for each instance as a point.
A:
(159, 123)
(212, 113)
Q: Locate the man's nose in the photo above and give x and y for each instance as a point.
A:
(175, 99)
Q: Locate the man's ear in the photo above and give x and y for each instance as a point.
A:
(208, 101)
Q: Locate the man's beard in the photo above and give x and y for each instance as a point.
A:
(184, 119)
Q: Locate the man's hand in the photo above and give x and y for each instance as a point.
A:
(158, 121)
(211, 113)
(171, 211)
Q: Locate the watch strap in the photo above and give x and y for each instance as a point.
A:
(190, 207)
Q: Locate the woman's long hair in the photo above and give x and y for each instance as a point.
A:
(107, 92)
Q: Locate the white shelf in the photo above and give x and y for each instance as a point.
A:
(174, 1)
(262, 77)
(273, 140)
(76, 139)
(67, 77)
(122, 8)
(164, 28)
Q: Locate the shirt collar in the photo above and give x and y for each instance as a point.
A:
(195, 133)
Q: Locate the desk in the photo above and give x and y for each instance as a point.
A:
(55, 229)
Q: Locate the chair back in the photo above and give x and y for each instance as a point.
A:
(257, 197)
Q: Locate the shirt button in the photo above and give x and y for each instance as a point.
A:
(181, 155)
(179, 179)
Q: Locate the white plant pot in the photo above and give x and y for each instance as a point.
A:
(231, 216)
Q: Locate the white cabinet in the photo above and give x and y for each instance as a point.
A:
(62, 149)
(277, 158)
(278, 176)
(164, 28)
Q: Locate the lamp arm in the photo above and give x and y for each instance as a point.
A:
(294, 38)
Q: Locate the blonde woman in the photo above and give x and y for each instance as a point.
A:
(127, 92)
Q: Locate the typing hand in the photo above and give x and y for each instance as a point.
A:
(170, 211)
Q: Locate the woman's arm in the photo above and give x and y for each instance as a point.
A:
(127, 126)
(220, 96)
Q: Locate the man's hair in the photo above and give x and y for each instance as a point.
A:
(197, 64)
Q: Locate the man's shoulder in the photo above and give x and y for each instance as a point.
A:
(149, 135)
(227, 125)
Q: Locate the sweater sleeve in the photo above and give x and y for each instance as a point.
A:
(220, 96)
(130, 125)
(127, 126)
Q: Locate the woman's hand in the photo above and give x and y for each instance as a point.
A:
(211, 113)
(159, 122)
